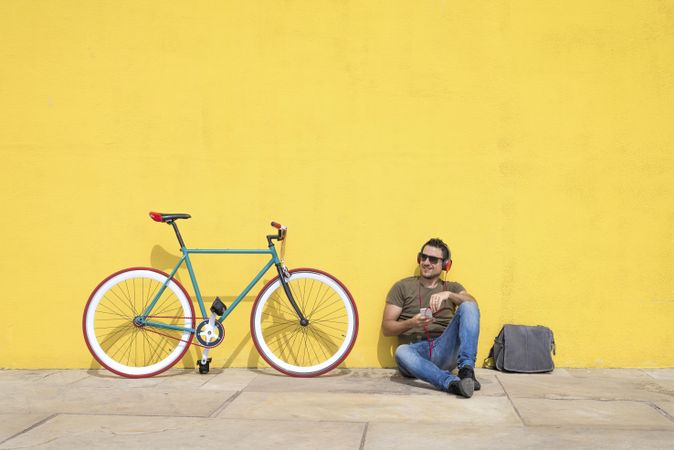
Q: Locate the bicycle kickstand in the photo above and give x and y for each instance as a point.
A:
(204, 363)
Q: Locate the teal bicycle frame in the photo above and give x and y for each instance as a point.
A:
(186, 259)
(274, 260)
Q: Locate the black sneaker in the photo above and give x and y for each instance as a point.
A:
(468, 372)
(463, 387)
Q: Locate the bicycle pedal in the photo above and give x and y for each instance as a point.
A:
(204, 368)
(208, 362)
(218, 307)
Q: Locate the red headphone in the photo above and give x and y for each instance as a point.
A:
(446, 265)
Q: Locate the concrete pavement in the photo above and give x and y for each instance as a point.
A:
(346, 409)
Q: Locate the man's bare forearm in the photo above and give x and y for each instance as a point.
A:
(457, 299)
(395, 327)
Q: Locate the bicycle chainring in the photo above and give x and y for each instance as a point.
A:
(210, 336)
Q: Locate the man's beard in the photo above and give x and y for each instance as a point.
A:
(429, 277)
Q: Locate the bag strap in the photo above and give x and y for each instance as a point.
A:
(553, 346)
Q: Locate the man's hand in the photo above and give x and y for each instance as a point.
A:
(392, 327)
(439, 300)
(421, 320)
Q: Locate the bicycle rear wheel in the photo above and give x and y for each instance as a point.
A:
(125, 347)
(313, 349)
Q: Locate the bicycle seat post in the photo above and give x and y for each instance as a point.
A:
(180, 238)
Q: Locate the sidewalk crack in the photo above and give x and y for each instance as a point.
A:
(511, 401)
(225, 404)
(362, 439)
(661, 411)
(32, 427)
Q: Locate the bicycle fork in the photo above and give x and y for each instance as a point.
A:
(284, 276)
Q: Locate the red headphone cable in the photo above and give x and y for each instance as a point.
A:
(428, 335)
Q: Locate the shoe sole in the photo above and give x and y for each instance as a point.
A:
(466, 387)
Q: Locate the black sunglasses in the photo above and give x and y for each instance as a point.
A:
(432, 259)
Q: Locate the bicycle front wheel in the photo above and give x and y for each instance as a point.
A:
(122, 344)
(304, 350)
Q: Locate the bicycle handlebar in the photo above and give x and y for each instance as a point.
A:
(282, 229)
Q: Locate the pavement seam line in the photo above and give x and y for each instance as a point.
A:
(127, 414)
(364, 437)
(225, 404)
(32, 427)
(243, 419)
(647, 374)
(519, 416)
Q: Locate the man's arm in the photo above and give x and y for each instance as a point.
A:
(391, 326)
(439, 300)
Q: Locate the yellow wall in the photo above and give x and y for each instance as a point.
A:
(534, 136)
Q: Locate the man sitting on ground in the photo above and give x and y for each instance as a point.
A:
(434, 345)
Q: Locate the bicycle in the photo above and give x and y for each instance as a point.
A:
(140, 321)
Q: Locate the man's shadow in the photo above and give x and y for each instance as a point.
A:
(386, 345)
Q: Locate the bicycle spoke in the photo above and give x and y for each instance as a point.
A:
(112, 304)
(317, 297)
(123, 341)
(284, 303)
(340, 331)
(339, 309)
(328, 346)
(114, 313)
(114, 335)
(164, 304)
(335, 336)
(274, 316)
(126, 295)
(323, 348)
(326, 298)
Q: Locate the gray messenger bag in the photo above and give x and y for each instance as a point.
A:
(522, 348)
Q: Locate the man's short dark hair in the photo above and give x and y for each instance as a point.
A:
(437, 243)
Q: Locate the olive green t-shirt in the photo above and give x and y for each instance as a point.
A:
(410, 295)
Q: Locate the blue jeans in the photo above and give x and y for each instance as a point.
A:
(455, 347)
